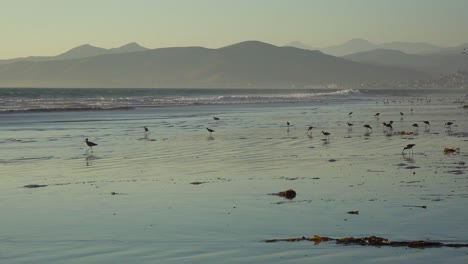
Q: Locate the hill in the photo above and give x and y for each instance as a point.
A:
(246, 64)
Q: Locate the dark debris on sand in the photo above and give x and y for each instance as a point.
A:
(31, 186)
(197, 183)
(370, 241)
(288, 194)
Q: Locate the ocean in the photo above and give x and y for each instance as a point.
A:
(177, 194)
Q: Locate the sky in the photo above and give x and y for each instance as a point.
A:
(51, 27)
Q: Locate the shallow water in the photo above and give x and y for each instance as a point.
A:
(156, 214)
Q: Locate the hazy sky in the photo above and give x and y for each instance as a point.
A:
(50, 27)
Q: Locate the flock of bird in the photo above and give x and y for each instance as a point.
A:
(388, 126)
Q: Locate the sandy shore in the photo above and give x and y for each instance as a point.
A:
(132, 200)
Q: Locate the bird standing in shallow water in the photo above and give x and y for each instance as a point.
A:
(388, 126)
(409, 147)
(449, 125)
(367, 128)
(309, 130)
(90, 144)
(210, 130)
(326, 134)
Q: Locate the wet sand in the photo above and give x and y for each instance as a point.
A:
(132, 200)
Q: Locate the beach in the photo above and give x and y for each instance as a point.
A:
(179, 195)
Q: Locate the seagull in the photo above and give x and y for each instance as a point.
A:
(210, 130)
(409, 146)
(90, 144)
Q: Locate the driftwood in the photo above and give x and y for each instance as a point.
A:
(370, 241)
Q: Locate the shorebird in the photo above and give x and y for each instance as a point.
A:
(350, 124)
(215, 118)
(90, 144)
(377, 114)
(426, 123)
(309, 130)
(416, 126)
(388, 125)
(401, 113)
(326, 134)
(367, 127)
(350, 113)
(449, 125)
(146, 129)
(210, 130)
(410, 147)
(287, 123)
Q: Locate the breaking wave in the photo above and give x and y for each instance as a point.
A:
(95, 100)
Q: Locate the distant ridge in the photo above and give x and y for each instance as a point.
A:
(435, 64)
(249, 64)
(82, 51)
(361, 45)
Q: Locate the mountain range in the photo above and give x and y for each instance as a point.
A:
(361, 45)
(247, 64)
(82, 51)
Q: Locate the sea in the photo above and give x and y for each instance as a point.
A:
(180, 194)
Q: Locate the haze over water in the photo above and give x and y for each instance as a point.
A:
(132, 199)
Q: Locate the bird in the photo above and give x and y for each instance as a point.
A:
(377, 114)
(146, 129)
(309, 130)
(415, 125)
(388, 125)
(90, 144)
(287, 123)
(367, 127)
(350, 113)
(426, 123)
(215, 118)
(391, 122)
(350, 124)
(449, 125)
(326, 134)
(409, 146)
(210, 130)
(401, 113)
